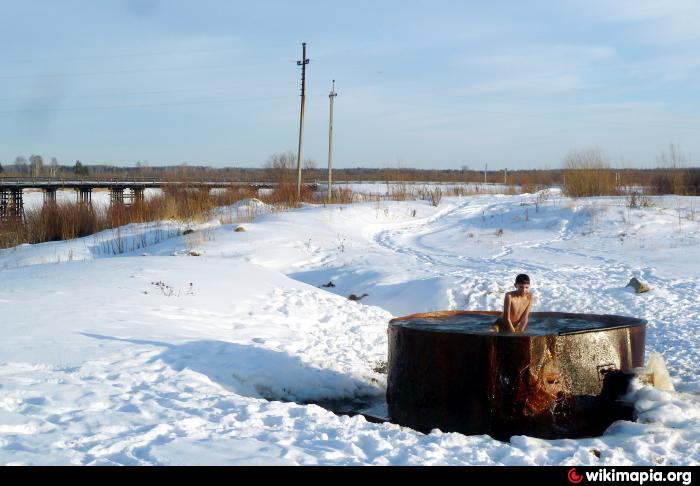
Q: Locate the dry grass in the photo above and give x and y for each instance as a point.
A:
(285, 195)
(638, 200)
(434, 196)
(65, 221)
(671, 179)
(401, 191)
(342, 195)
(587, 174)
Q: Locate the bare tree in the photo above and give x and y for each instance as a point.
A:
(674, 159)
(311, 169)
(181, 171)
(280, 167)
(673, 174)
(54, 166)
(21, 164)
(37, 164)
(80, 170)
(141, 168)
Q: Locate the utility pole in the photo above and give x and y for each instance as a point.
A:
(486, 167)
(331, 96)
(505, 177)
(304, 61)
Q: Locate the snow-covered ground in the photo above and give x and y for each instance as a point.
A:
(382, 188)
(367, 191)
(126, 349)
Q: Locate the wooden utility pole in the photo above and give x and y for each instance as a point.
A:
(505, 177)
(331, 96)
(486, 167)
(304, 61)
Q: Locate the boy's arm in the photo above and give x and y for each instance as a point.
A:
(506, 313)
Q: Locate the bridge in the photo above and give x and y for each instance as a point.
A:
(125, 192)
(128, 192)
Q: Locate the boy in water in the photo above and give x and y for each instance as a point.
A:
(516, 307)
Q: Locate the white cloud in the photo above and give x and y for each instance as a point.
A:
(653, 21)
(534, 68)
(637, 10)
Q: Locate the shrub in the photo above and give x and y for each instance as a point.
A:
(587, 174)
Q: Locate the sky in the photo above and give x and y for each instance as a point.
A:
(439, 84)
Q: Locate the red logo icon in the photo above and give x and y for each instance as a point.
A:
(574, 477)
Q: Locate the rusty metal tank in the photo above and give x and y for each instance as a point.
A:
(562, 377)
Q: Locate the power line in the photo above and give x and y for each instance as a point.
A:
(120, 56)
(144, 105)
(134, 71)
(147, 105)
(511, 115)
(598, 123)
(159, 92)
(139, 54)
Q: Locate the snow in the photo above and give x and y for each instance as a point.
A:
(34, 198)
(415, 187)
(123, 349)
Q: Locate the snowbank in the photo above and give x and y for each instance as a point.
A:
(152, 356)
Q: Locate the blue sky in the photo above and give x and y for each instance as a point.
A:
(440, 84)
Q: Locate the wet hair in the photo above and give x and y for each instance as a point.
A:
(522, 279)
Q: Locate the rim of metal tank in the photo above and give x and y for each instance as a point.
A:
(628, 321)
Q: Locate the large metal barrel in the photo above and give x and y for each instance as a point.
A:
(562, 377)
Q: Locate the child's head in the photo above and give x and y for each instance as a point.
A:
(522, 283)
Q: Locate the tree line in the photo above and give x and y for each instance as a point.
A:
(672, 176)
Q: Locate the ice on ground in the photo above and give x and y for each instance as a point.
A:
(152, 356)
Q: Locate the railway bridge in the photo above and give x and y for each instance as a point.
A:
(125, 192)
